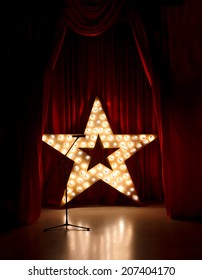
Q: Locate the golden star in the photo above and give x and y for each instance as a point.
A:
(88, 168)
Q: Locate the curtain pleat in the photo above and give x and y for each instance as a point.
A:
(107, 66)
(57, 58)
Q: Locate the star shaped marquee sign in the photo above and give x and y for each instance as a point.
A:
(99, 155)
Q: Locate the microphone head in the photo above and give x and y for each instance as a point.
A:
(78, 135)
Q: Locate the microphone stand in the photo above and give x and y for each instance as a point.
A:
(66, 224)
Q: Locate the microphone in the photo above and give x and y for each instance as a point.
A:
(78, 135)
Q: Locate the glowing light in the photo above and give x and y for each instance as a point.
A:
(116, 174)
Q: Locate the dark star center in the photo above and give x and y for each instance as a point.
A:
(99, 154)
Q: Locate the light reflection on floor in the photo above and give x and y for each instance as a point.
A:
(103, 242)
(116, 233)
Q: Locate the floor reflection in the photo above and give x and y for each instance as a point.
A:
(106, 239)
(116, 233)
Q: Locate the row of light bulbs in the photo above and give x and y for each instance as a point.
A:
(58, 141)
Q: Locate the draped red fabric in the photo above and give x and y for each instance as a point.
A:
(91, 18)
(144, 50)
(144, 32)
(21, 129)
(141, 41)
(175, 82)
(165, 88)
(26, 38)
(181, 108)
(107, 66)
(119, 64)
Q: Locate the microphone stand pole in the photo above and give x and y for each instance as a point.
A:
(66, 224)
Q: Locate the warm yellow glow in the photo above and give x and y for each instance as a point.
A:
(118, 176)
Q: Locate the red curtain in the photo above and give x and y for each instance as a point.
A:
(181, 101)
(25, 41)
(107, 65)
(166, 54)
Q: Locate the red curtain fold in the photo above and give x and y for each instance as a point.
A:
(175, 96)
(181, 108)
(58, 39)
(141, 41)
(91, 18)
(108, 66)
(175, 87)
(25, 37)
(147, 45)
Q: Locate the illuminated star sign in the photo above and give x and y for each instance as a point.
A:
(100, 155)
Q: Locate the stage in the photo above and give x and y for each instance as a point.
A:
(128, 233)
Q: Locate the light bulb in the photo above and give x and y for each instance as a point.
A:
(90, 123)
(61, 137)
(76, 168)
